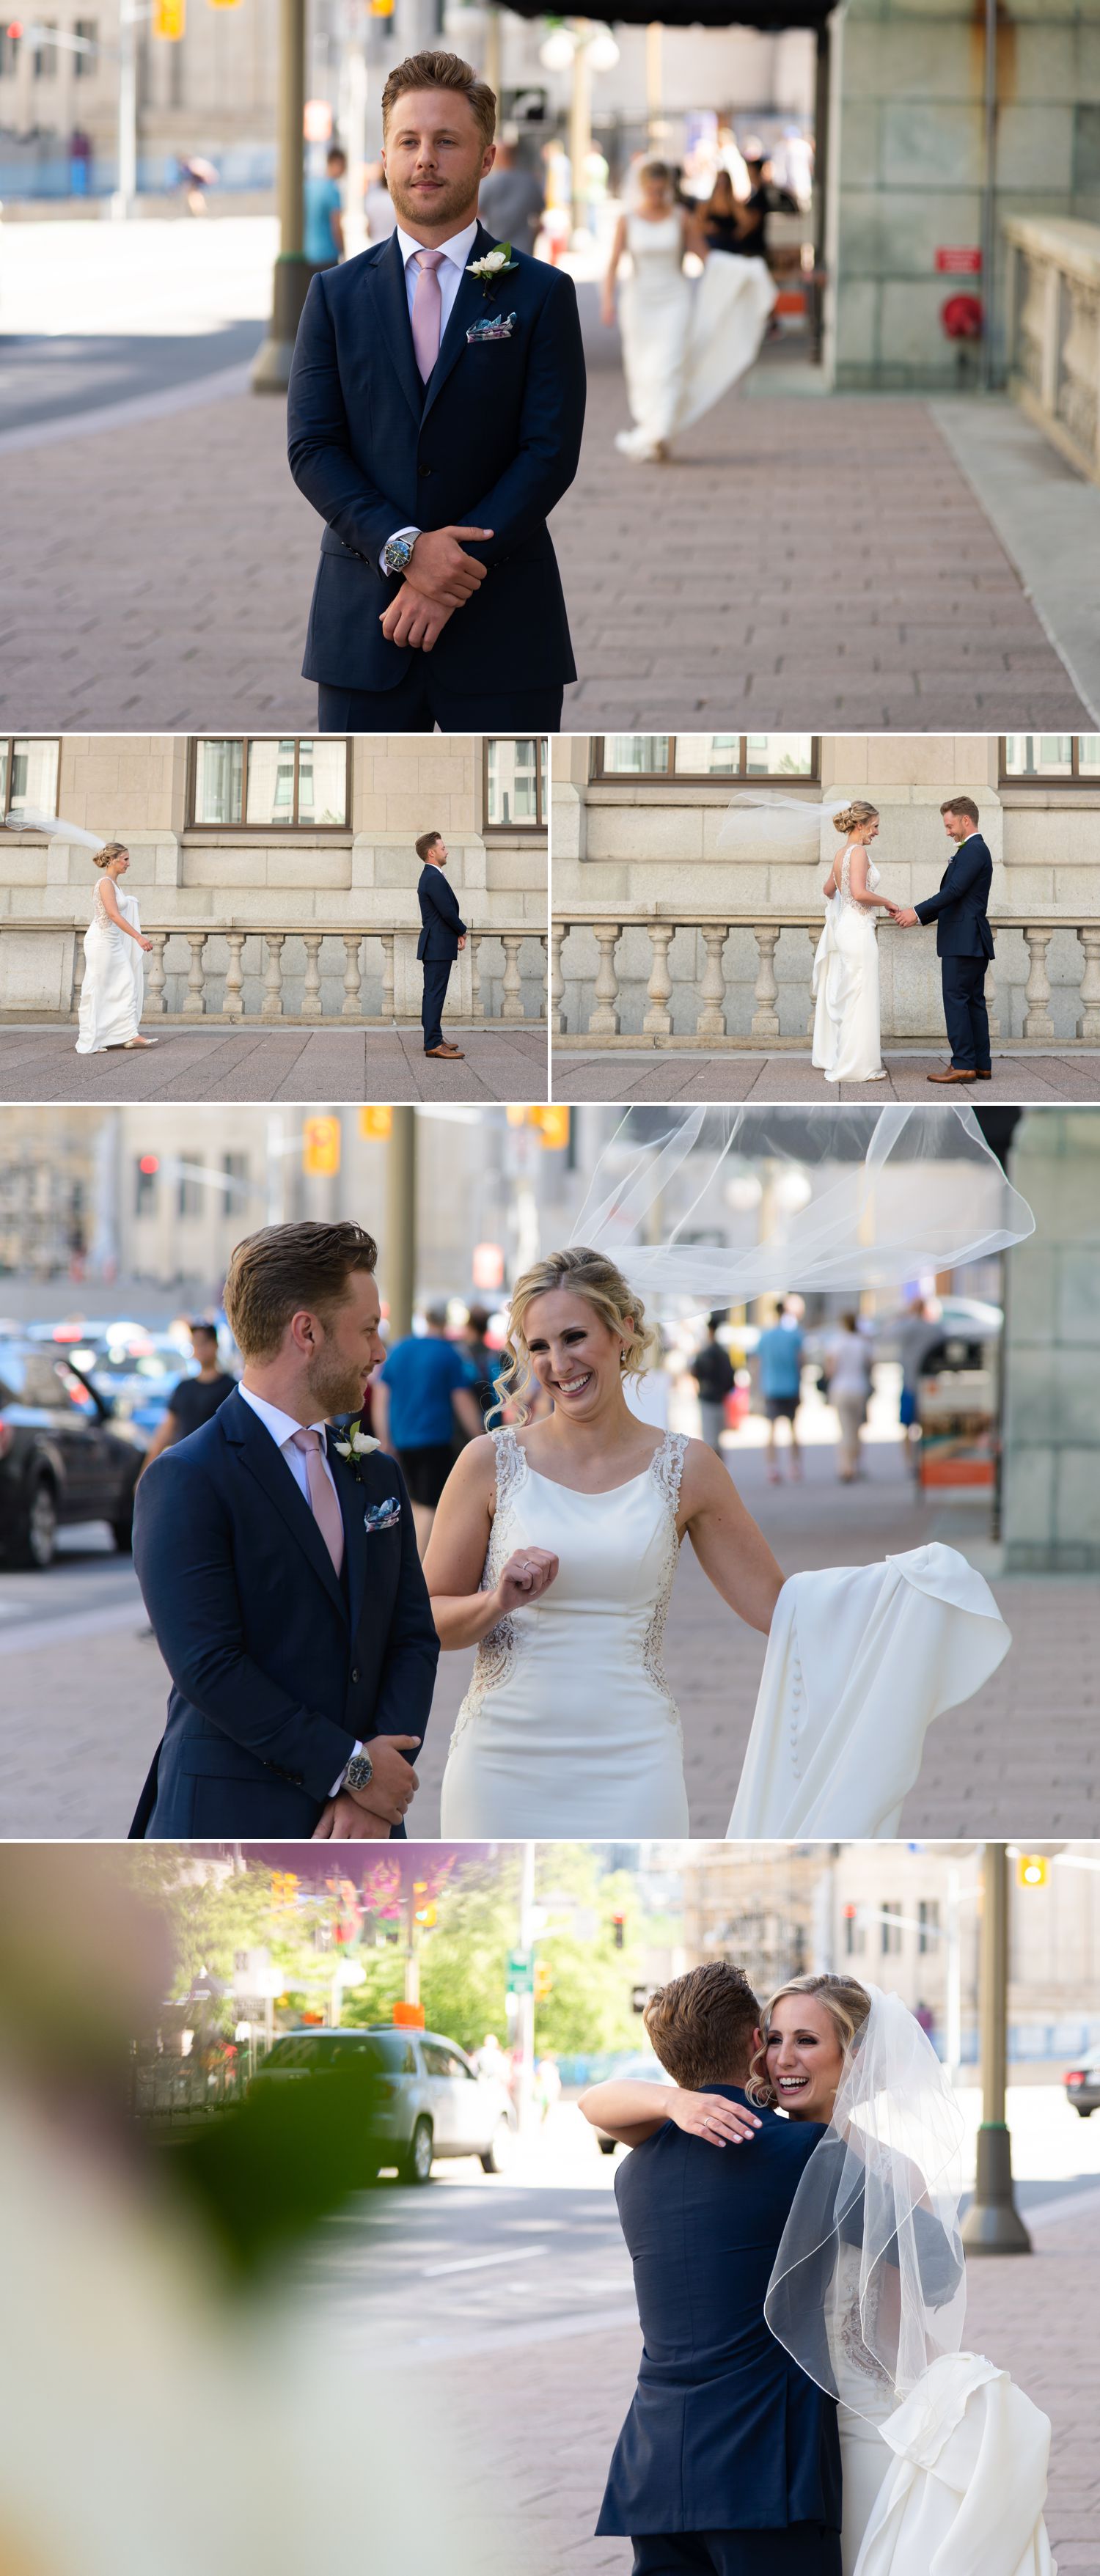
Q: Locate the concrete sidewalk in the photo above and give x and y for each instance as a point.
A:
(256, 1062)
(804, 564)
(665, 1073)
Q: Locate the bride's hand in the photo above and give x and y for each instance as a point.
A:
(146, 944)
(710, 2116)
(529, 1572)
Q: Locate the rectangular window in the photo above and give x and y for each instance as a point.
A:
(891, 1931)
(855, 1933)
(146, 1174)
(283, 784)
(706, 755)
(9, 54)
(28, 776)
(191, 1198)
(928, 1917)
(45, 53)
(1050, 755)
(515, 783)
(85, 63)
(235, 1168)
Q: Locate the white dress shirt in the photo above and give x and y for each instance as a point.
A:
(456, 255)
(282, 1427)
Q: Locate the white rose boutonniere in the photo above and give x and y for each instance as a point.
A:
(355, 1444)
(496, 264)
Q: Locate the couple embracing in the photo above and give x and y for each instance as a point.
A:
(847, 1035)
(803, 2406)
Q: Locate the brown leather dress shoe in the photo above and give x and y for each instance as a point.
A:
(984, 1073)
(953, 1073)
(452, 1053)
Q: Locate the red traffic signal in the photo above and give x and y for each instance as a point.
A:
(149, 1163)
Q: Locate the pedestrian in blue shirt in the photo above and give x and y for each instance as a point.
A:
(323, 236)
(779, 1353)
(423, 1395)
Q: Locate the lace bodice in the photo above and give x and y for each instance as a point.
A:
(844, 896)
(104, 920)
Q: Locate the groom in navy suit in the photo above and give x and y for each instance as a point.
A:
(442, 934)
(278, 1562)
(434, 419)
(964, 942)
(728, 2463)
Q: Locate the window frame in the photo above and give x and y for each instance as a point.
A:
(601, 776)
(254, 831)
(509, 831)
(7, 745)
(1045, 777)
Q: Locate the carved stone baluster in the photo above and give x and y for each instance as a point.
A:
(477, 1006)
(658, 1019)
(155, 1005)
(311, 985)
(1088, 1025)
(559, 935)
(353, 975)
(272, 1005)
(544, 944)
(711, 1022)
(604, 1022)
(389, 1011)
(194, 1004)
(232, 1004)
(511, 1007)
(1037, 1020)
(765, 1018)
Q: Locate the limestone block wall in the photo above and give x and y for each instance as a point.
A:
(907, 159)
(1051, 1492)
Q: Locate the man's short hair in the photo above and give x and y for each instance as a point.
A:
(960, 805)
(201, 1326)
(427, 842)
(442, 71)
(702, 2025)
(286, 1269)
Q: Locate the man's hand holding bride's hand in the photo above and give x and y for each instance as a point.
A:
(344, 1820)
(529, 1572)
(710, 2116)
(905, 918)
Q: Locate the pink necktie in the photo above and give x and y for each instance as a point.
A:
(427, 311)
(322, 1499)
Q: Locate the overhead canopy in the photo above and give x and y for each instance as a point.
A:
(769, 15)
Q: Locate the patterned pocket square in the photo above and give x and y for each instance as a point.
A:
(382, 1516)
(499, 326)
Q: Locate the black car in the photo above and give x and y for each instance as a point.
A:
(60, 1459)
(1083, 2085)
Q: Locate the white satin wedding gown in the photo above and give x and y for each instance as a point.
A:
(569, 1729)
(847, 1044)
(113, 990)
(683, 346)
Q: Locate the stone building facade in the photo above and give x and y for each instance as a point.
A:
(647, 830)
(1051, 1485)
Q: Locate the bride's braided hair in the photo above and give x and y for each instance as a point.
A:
(592, 1276)
(110, 850)
(851, 816)
(847, 2004)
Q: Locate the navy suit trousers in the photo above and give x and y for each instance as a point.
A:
(803, 2549)
(437, 976)
(964, 1009)
(420, 702)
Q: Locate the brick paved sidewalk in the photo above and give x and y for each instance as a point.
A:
(256, 1063)
(542, 2417)
(667, 1074)
(806, 564)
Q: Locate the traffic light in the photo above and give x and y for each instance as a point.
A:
(1032, 1869)
(284, 1889)
(169, 20)
(376, 1121)
(553, 1125)
(618, 1926)
(544, 1983)
(321, 1148)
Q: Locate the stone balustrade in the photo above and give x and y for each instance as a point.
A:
(1053, 288)
(598, 1022)
(394, 950)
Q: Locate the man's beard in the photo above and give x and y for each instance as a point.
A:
(447, 204)
(334, 1386)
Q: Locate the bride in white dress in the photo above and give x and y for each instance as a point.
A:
(683, 346)
(847, 1044)
(112, 993)
(554, 1552)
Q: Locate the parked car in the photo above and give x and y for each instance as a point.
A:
(429, 2100)
(639, 2069)
(135, 1371)
(1083, 2086)
(61, 1459)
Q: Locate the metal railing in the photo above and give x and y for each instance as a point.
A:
(597, 1022)
(219, 991)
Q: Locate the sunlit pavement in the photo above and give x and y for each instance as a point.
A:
(255, 1062)
(661, 1075)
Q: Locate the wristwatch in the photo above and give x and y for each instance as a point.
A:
(360, 1771)
(397, 551)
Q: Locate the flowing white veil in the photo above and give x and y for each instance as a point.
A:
(834, 1197)
(883, 2182)
(26, 818)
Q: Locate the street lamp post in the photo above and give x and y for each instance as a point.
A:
(580, 126)
(271, 367)
(401, 1222)
(122, 202)
(993, 2224)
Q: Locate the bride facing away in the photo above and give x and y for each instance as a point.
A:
(847, 1041)
(943, 2459)
(112, 993)
(683, 345)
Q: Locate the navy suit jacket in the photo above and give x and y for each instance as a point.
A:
(959, 909)
(725, 2432)
(442, 925)
(277, 1663)
(492, 441)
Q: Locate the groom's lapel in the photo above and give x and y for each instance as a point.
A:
(260, 1455)
(469, 302)
(392, 304)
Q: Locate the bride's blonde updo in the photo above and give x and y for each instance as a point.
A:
(589, 1275)
(847, 2004)
(852, 816)
(110, 850)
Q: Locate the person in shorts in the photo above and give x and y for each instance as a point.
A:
(779, 1352)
